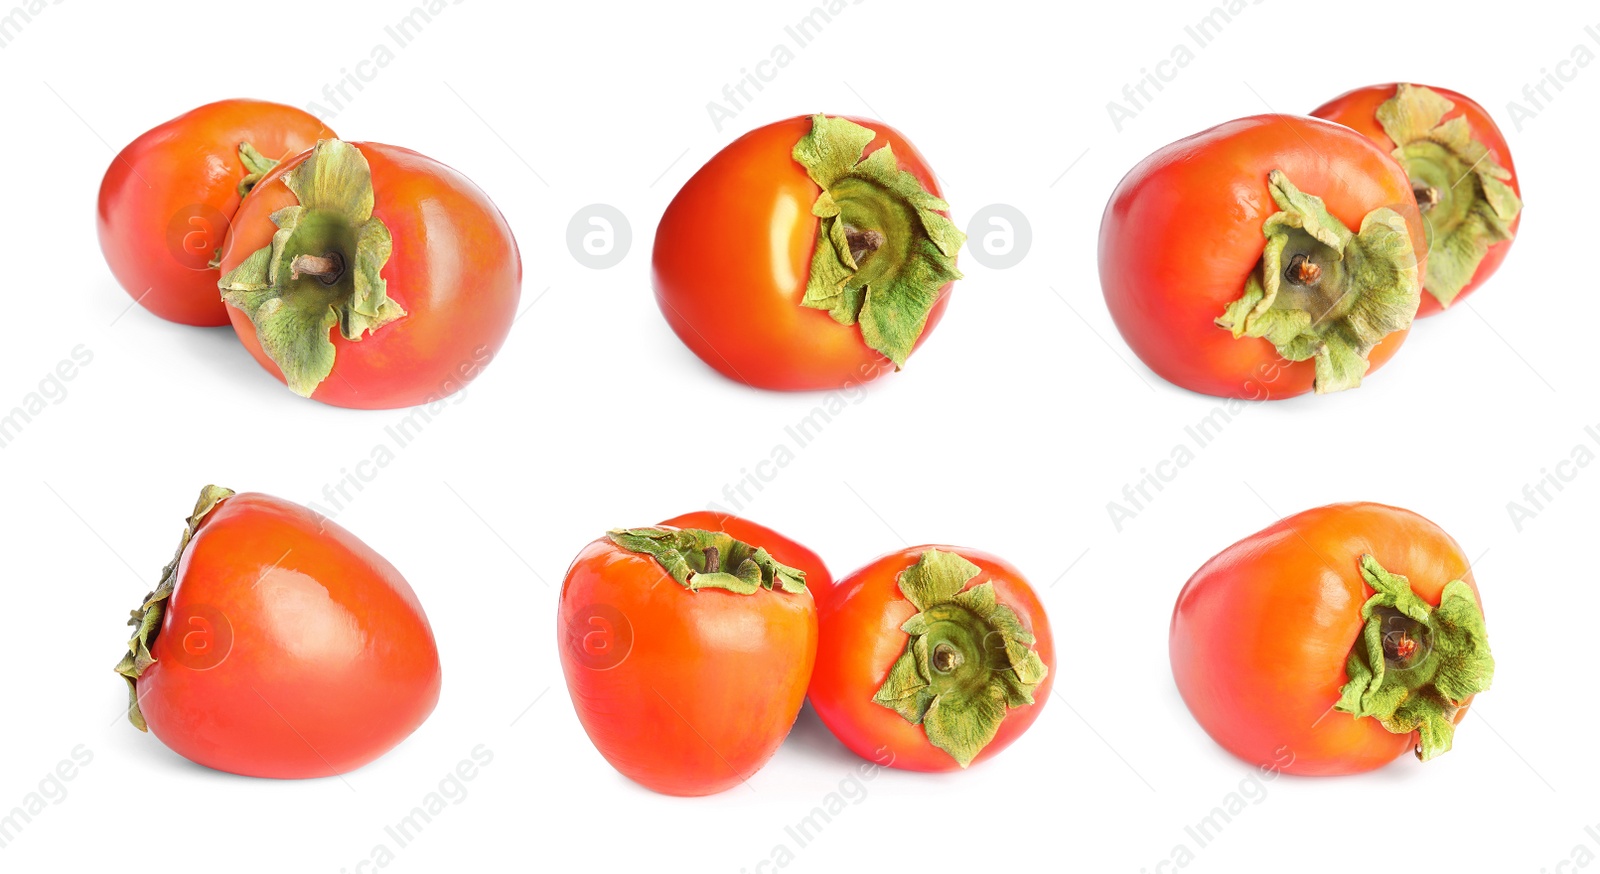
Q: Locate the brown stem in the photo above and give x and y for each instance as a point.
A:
(1302, 271)
(863, 243)
(1404, 639)
(1427, 196)
(713, 560)
(326, 268)
(946, 658)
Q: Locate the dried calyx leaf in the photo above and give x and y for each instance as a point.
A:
(968, 658)
(146, 619)
(1416, 665)
(256, 165)
(884, 247)
(1467, 201)
(1324, 293)
(699, 559)
(322, 269)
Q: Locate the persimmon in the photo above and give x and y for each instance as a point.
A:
(1333, 641)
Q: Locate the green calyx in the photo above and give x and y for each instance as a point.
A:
(1416, 665)
(321, 270)
(1462, 190)
(884, 250)
(146, 619)
(699, 559)
(256, 165)
(1324, 293)
(968, 660)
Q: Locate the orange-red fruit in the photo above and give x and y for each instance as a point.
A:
(685, 693)
(289, 648)
(1262, 632)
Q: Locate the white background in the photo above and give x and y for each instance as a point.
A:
(1010, 431)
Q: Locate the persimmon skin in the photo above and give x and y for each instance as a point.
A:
(454, 267)
(1183, 231)
(733, 254)
(861, 640)
(329, 659)
(167, 198)
(709, 684)
(818, 580)
(1261, 634)
(1358, 110)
